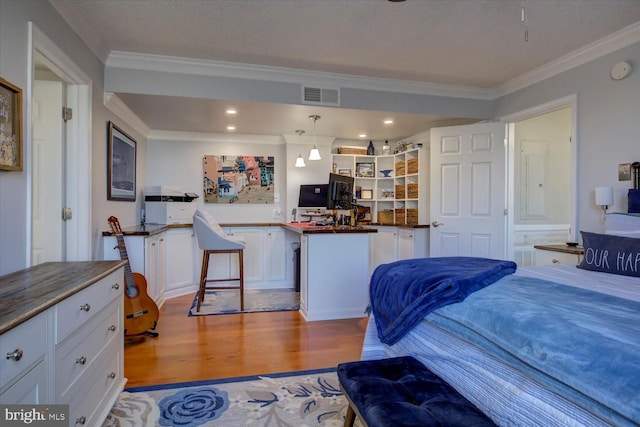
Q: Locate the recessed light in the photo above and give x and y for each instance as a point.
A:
(231, 111)
(388, 121)
(362, 135)
(231, 127)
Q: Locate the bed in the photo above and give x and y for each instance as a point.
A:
(544, 346)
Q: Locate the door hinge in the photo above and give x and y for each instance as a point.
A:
(506, 212)
(67, 114)
(66, 214)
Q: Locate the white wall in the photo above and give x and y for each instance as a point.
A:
(15, 186)
(608, 125)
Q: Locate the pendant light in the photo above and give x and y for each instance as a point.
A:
(314, 154)
(300, 160)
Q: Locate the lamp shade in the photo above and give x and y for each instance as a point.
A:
(604, 196)
(300, 162)
(314, 154)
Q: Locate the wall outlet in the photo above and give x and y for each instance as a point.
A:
(276, 213)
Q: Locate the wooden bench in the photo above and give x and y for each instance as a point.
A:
(402, 392)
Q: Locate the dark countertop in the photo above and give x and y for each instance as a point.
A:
(151, 229)
(27, 293)
(574, 250)
(327, 229)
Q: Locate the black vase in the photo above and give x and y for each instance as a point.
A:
(370, 150)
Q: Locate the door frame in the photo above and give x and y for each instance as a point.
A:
(78, 142)
(510, 120)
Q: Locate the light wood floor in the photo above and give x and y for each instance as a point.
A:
(231, 345)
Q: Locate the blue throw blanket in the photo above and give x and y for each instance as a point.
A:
(403, 292)
(581, 344)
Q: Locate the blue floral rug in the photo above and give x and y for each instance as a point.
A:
(228, 301)
(295, 399)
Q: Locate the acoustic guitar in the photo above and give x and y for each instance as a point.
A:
(140, 311)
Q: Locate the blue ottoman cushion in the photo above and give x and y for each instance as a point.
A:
(403, 392)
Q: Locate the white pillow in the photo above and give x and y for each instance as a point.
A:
(621, 224)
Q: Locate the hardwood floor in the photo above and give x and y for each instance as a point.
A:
(231, 345)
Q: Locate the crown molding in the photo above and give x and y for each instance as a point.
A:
(114, 104)
(180, 65)
(186, 136)
(618, 40)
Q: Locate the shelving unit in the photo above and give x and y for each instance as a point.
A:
(402, 196)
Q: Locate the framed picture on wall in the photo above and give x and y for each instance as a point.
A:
(10, 126)
(121, 165)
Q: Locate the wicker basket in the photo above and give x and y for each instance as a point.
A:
(385, 217)
(361, 151)
(412, 165)
(400, 191)
(399, 169)
(412, 216)
(412, 190)
(400, 213)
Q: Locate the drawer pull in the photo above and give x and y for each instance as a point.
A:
(82, 420)
(555, 261)
(81, 360)
(112, 328)
(15, 354)
(112, 375)
(85, 307)
(115, 286)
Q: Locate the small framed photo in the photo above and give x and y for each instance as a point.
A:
(10, 126)
(366, 170)
(367, 194)
(345, 172)
(624, 172)
(121, 166)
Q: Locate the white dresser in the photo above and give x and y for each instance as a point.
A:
(61, 337)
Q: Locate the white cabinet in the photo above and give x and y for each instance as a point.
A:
(182, 264)
(89, 367)
(400, 184)
(392, 243)
(154, 267)
(265, 258)
(72, 352)
(146, 256)
(557, 254)
(23, 351)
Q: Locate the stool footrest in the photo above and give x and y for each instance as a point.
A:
(402, 391)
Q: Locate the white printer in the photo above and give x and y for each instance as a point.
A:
(169, 205)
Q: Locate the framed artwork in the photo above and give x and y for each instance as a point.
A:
(239, 179)
(121, 165)
(367, 194)
(624, 172)
(367, 170)
(345, 172)
(10, 126)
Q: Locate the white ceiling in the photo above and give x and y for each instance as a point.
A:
(470, 43)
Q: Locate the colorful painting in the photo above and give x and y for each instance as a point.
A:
(10, 126)
(238, 179)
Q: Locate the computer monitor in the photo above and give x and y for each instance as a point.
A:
(340, 191)
(313, 196)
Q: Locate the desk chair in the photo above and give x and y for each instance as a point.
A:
(213, 240)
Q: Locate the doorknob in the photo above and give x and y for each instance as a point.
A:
(436, 224)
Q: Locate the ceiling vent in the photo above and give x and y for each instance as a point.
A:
(320, 96)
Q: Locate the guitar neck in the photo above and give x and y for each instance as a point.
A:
(122, 248)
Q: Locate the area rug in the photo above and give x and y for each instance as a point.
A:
(291, 399)
(228, 301)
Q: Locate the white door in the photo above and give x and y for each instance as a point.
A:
(468, 196)
(48, 242)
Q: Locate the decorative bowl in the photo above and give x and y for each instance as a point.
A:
(572, 244)
(386, 172)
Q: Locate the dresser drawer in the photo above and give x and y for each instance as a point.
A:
(544, 257)
(25, 344)
(80, 351)
(76, 310)
(86, 403)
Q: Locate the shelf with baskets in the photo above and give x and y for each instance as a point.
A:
(394, 188)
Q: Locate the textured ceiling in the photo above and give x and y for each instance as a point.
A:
(473, 43)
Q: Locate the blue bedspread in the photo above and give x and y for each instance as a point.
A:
(403, 292)
(584, 345)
